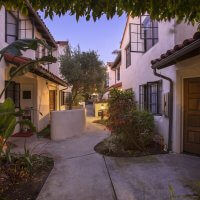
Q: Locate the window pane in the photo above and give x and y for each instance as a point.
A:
(11, 39)
(11, 28)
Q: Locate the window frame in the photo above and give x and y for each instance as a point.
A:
(128, 55)
(7, 23)
(63, 98)
(14, 93)
(153, 27)
(146, 98)
(118, 73)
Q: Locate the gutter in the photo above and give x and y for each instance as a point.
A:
(170, 107)
(172, 58)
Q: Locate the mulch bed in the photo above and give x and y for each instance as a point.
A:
(24, 188)
(152, 149)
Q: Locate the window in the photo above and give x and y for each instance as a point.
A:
(26, 29)
(13, 92)
(150, 97)
(26, 94)
(11, 29)
(118, 73)
(65, 98)
(149, 33)
(128, 56)
(143, 35)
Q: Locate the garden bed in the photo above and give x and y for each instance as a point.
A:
(20, 182)
(110, 147)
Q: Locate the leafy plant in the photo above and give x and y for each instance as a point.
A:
(16, 49)
(8, 115)
(159, 9)
(120, 105)
(8, 121)
(134, 129)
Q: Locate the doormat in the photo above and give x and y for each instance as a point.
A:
(23, 134)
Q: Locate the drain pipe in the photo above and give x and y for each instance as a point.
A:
(170, 107)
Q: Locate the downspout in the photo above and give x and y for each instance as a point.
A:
(170, 108)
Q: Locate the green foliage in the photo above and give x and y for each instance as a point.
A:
(8, 121)
(120, 105)
(18, 46)
(134, 129)
(45, 133)
(188, 10)
(83, 72)
(8, 114)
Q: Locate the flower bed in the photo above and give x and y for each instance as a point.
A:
(22, 176)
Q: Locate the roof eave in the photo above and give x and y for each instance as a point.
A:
(178, 56)
(117, 61)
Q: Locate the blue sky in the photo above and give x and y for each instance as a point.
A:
(104, 35)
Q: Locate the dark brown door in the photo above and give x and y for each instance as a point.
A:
(52, 100)
(192, 115)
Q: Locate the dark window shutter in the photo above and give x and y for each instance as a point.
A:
(9, 93)
(13, 92)
(17, 95)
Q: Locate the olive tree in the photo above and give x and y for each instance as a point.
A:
(83, 72)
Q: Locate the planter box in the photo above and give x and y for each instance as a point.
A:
(68, 123)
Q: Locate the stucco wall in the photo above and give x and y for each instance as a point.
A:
(67, 124)
(43, 87)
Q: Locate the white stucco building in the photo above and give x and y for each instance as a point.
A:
(43, 89)
(170, 89)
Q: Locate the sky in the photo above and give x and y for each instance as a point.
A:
(103, 36)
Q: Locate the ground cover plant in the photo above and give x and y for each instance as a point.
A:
(132, 131)
(45, 133)
(23, 175)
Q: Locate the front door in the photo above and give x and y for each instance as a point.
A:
(52, 100)
(192, 115)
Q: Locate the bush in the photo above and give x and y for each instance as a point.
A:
(120, 105)
(134, 129)
(138, 131)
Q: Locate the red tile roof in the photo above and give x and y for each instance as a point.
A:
(177, 48)
(117, 85)
(19, 60)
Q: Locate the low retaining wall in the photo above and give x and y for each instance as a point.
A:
(67, 124)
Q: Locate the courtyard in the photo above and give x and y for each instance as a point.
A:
(80, 173)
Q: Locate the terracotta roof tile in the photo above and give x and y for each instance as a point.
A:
(19, 60)
(177, 48)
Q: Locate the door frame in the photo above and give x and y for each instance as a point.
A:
(183, 111)
(55, 98)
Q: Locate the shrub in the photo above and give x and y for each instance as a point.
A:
(120, 105)
(134, 129)
(138, 131)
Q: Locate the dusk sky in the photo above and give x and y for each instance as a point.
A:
(104, 35)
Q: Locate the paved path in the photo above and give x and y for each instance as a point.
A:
(81, 174)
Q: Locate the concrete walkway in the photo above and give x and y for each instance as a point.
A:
(81, 174)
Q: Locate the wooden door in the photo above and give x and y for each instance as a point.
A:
(192, 115)
(52, 100)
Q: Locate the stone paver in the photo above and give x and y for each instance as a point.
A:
(81, 174)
